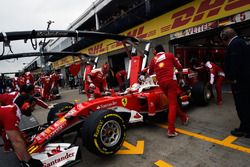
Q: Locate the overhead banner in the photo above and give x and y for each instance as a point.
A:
(244, 16)
(192, 14)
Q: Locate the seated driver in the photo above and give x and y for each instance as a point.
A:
(96, 82)
(10, 116)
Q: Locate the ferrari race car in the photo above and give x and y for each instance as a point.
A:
(102, 122)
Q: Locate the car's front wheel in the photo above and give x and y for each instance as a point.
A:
(104, 132)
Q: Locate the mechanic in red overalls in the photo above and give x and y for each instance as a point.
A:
(96, 82)
(54, 80)
(29, 79)
(163, 65)
(8, 98)
(21, 80)
(121, 78)
(15, 82)
(217, 77)
(46, 84)
(9, 127)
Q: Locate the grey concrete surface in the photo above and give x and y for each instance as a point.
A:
(182, 151)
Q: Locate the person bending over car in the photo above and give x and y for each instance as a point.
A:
(8, 98)
(96, 82)
(10, 116)
(163, 64)
(217, 76)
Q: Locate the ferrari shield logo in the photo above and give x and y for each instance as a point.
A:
(124, 101)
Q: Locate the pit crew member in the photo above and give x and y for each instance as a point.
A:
(96, 82)
(163, 64)
(8, 98)
(217, 76)
(121, 78)
(9, 127)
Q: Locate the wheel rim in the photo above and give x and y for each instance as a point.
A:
(110, 133)
(208, 94)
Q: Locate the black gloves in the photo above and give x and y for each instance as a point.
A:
(35, 163)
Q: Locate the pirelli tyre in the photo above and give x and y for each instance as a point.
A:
(201, 93)
(104, 132)
(58, 110)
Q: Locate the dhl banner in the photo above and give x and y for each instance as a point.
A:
(64, 61)
(192, 14)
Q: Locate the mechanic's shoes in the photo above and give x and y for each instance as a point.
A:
(174, 134)
(238, 132)
(186, 121)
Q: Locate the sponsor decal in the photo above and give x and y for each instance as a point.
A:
(124, 101)
(61, 158)
(113, 103)
(192, 14)
(161, 65)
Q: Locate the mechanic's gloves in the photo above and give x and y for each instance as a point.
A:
(92, 86)
(35, 163)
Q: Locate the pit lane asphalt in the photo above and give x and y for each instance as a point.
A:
(203, 143)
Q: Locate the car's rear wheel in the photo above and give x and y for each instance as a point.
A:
(58, 111)
(201, 93)
(104, 132)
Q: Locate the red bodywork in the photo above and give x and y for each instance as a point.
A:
(132, 100)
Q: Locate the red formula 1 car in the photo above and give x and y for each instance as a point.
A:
(102, 122)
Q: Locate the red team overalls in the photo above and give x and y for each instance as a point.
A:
(217, 77)
(46, 83)
(121, 77)
(163, 65)
(96, 77)
(9, 120)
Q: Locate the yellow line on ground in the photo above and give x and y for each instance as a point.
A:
(229, 140)
(226, 142)
(161, 163)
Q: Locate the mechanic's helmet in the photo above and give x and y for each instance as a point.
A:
(135, 86)
(105, 68)
(26, 104)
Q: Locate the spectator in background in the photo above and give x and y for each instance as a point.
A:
(237, 70)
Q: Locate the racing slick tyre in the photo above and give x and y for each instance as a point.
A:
(104, 132)
(58, 110)
(201, 93)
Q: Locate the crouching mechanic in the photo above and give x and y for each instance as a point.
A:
(96, 82)
(163, 65)
(217, 76)
(10, 116)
